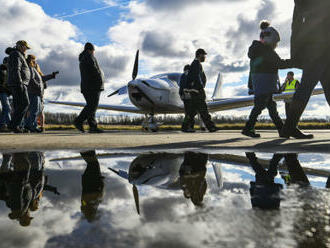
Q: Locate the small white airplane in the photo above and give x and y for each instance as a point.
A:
(160, 95)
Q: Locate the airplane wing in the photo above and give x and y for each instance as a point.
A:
(243, 161)
(120, 108)
(233, 103)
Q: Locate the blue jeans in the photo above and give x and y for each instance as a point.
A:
(5, 117)
(34, 110)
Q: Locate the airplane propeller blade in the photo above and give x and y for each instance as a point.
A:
(136, 66)
(113, 93)
(136, 199)
(121, 91)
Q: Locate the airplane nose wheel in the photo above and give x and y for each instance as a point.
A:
(150, 124)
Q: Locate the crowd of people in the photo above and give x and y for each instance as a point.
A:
(22, 78)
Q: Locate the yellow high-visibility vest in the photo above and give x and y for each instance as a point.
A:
(290, 86)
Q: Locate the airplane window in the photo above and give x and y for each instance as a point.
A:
(171, 78)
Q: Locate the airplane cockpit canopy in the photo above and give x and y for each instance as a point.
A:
(170, 78)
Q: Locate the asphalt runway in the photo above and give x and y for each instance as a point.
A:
(169, 140)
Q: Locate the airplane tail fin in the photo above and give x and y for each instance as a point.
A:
(217, 88)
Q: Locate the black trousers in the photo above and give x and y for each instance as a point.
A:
(21, 104)
(260, 103)
(316, 70)
(187, 121)
(88, 112)
(197, 105)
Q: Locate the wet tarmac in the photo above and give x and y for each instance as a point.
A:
(184, 199)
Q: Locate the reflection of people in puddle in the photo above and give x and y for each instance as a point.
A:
(38, 179)
(296, 173)
(92, 186)
(21, 188)
(192, 177)
(265, 193)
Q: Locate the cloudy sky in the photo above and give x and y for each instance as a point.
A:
(166, 32)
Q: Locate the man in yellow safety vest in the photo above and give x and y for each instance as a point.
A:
(290, 85)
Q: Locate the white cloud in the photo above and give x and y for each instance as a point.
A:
(168, 35)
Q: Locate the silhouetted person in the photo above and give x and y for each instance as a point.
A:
(192, 177)
(265, 193)
(264, 66)
(196, 83)
(5, 117)
(310, 43)
(92, 186)
(18, 78)
(91, 86)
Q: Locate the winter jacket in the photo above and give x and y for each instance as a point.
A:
(196, 76)
(183, 83)
(310, 30)
(90, 72)
(19, 72)
(37, 82)
(4, 79)
(264, 65)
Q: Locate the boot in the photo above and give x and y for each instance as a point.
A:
(290, 129)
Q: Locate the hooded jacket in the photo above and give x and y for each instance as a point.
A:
(310, 30)
(19, 71)
(264, 65)
(90, 72)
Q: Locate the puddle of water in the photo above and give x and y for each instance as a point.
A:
(102, 199)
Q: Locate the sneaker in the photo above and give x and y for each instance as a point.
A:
(213, 129)
(16, 130)
(96, 130)
(250, 133)
(79, 126)
(35, 130)
(189, 130)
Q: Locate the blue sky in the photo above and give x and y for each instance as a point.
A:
(93, 26)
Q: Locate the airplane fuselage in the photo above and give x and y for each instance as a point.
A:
(159, 94)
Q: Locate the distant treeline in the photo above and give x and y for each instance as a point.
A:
(64, 118)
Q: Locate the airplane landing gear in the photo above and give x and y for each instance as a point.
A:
(149, 123)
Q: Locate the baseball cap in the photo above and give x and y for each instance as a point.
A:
(23, 43)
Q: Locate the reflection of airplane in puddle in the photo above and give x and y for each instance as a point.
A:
(167, 171)
(160, 95)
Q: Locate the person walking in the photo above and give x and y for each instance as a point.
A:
(196, 83)
(310, 43)
(187, 124)
(5, 117)
(264, 65)
(92, 83)
(18, 79)
(290, 85)
(35, 92)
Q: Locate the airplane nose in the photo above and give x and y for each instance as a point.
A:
(133, 83)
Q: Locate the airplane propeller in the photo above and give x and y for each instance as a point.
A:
(123, 90)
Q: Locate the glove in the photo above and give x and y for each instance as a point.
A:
(55, 73)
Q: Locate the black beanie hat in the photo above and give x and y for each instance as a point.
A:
(89, 46)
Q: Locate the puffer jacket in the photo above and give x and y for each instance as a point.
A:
(264, 66)
(90, 72)
(19, 72)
